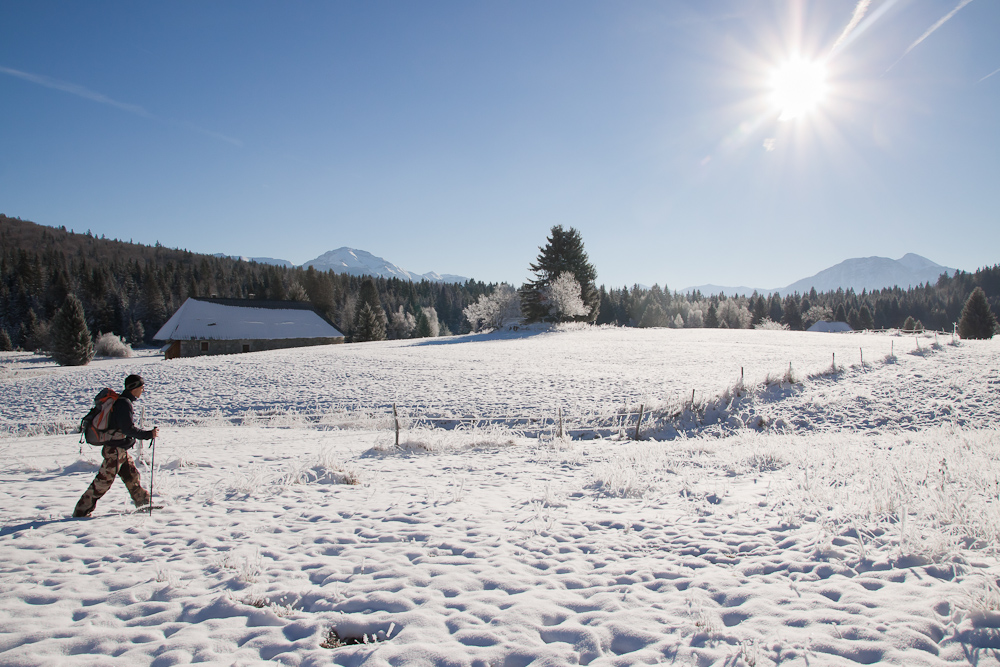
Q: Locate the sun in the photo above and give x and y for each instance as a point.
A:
(798, 87)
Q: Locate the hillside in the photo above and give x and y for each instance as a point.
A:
(131, 289)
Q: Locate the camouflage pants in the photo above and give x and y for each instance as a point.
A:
(117, 463)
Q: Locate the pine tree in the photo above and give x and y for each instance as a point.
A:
(563, 253)
(423, 329)
(712, 317)
(774, 309)
(978, 320)
(369, 324)
(840, 315)
(369, 317)
(791, 314)
(5, 343)
(865, 318)
(759, 311)
(71, 342)
(35, 333)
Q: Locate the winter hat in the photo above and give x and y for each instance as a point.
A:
(133, 381)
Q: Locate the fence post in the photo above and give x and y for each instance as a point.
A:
(638, 423)
(862, 357)
(395, 417)
(560, 423)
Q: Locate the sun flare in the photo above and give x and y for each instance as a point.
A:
(798, 87)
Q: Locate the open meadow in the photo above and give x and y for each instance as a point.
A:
(799, 508)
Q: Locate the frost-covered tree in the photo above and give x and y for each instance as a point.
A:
(653, 316)
(71, 342)
(816, 314)
(767, 324)
(732, 315)
(562, 297)
(401, 324)
(110, 345)
(493, 311)
(428, 325)
(678, 322)
(296, 292)
(5, 343)
(563, 253)
(978, 320)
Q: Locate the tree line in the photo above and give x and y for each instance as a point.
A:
(564, 275)
(131, 289)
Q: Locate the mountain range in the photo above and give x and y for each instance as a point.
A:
(859, 273)
(358, 263)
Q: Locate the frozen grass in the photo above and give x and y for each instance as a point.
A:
(110, 345)
(424, 440)
(928, 494)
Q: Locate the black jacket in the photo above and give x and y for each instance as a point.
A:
(123, 420)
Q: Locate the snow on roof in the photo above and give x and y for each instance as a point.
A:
(831, 327)
(238, 319)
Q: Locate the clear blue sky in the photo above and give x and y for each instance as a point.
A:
(450, 136)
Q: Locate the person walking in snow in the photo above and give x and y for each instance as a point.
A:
(117, 461)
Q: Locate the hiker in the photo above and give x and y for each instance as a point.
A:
(117, 461)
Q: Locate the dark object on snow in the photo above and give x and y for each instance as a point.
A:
(117, 461)
(977, 321)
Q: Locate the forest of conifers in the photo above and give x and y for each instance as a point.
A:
(131, 289)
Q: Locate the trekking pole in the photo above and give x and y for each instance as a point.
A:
(152, 471)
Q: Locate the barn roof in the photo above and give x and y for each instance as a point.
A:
(831, 327)
(245, 319)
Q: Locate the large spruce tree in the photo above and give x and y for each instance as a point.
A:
(71, 342)
(978, 320)
(563, 253)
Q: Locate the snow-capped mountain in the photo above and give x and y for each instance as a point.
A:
(859, 273)
(362, 263)
(358, 263)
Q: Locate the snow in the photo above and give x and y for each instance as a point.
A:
(848, 517)
(205, 320)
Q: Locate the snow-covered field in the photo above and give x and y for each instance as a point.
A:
(849, 517)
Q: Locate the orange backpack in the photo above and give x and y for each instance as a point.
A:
(94, 426)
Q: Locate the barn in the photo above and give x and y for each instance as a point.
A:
(203, 326)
